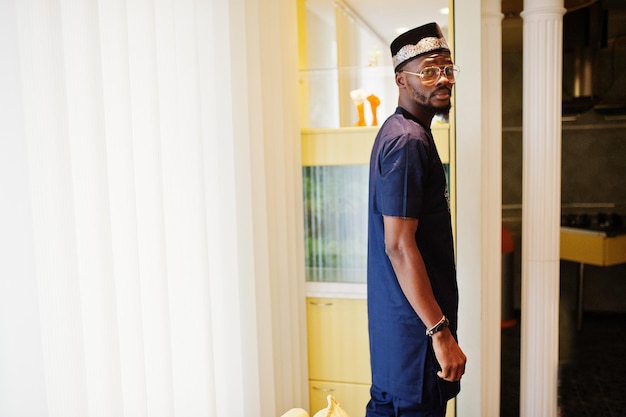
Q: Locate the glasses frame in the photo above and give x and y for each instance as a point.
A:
(440, 70)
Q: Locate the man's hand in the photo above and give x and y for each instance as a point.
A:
(449, 355)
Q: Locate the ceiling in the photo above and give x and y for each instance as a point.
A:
(411, 13)
(397, 16)
(385, 19)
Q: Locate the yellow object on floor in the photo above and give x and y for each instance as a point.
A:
(296, 412)
(334, 409)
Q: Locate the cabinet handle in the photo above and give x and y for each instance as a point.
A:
(323, 389)
(320, 304)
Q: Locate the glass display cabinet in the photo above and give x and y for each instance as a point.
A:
(347, 88)
(335, 173)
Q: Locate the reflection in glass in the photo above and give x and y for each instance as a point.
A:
(335, 222)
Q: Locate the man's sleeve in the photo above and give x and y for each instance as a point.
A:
(402, 167)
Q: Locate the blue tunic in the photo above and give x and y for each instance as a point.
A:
(407, 179)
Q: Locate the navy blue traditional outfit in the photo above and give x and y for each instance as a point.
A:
(407, 179)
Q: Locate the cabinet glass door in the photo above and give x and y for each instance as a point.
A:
(335, 218)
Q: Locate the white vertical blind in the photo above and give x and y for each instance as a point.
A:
(22, 384)
(167, 228)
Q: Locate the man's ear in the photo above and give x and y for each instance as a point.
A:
(400, 79)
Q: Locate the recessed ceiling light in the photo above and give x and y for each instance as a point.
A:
(445, 10)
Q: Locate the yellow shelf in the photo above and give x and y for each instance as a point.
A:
(353, 145)
(343, 146)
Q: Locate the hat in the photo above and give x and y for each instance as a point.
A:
(417, 42)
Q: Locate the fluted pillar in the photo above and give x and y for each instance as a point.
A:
(478, 174)
(491, 203)
(543, 32)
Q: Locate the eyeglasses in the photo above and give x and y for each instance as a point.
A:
(430, 75)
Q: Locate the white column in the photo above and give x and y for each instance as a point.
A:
(541, 206)
(491, 203)
(469, 136)
(477, 50)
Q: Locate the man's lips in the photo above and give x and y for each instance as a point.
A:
(443, 94)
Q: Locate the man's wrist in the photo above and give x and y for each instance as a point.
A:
(442, 324)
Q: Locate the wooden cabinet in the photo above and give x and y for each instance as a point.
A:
(346, 89)
(338, 348)
(339, 362)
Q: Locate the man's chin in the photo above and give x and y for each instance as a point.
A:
(440, 110)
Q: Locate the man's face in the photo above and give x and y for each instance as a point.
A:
(434, 97)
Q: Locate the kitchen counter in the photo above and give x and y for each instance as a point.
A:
(592, 247)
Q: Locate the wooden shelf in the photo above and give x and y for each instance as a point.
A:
(353, 145)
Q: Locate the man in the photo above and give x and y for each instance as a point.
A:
(412, 291)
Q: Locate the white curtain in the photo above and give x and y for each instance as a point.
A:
(162, 270)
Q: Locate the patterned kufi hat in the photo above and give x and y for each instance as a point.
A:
(417, 42)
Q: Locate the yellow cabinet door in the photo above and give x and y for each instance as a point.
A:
(338, 340)
(352, 397)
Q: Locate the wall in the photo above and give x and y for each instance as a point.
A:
(593, 170)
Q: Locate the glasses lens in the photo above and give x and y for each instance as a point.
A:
(451, 73)
(430, 75)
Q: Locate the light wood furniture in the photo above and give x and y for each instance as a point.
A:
(590, 247)
(338, 353)
(353, 145)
